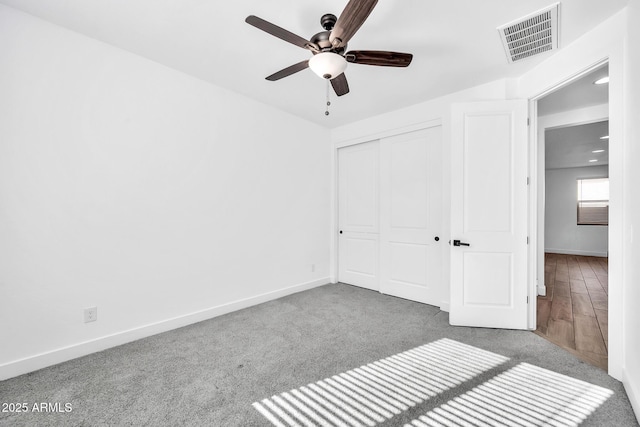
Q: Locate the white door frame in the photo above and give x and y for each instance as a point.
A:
(333, 268)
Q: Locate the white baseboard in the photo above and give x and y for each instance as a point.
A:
(576, 252)
(633, 393)
(444, 306)
(542, 290)
(33, 363)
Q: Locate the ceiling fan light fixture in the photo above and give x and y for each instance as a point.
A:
(328, 65)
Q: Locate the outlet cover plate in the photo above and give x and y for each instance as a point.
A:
(90, 314)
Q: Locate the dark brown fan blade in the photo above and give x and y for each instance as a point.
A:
(340, 85)
(350, 20)
(379, 57)
(289, 70)
(281, 33)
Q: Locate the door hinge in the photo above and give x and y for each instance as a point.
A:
(527, 240)
(528, 121)
(527, 180)
(527, 299)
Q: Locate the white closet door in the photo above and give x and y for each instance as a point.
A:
(358, 207)
(411, 216)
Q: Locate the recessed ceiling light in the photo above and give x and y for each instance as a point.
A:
(598, 151)
(593, 160)
(602, 81)
(604, 137)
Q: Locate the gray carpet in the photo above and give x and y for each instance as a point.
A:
(212, 372)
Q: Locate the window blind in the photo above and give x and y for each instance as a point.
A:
(593, 201)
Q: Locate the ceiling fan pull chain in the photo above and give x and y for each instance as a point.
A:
(326, 113)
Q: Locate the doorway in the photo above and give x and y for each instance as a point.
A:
(572, 267)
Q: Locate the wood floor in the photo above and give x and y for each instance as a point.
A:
(574, 312)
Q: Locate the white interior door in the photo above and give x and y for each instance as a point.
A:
(358, 208)
(411, 216)
(489, 196)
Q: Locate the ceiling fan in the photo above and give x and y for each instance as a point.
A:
(328, 47)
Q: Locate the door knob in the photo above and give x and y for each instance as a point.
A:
(459, 243)
(437, 239)
(340, 231)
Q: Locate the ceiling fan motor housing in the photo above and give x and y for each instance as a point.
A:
(328, 21)
(322, 41)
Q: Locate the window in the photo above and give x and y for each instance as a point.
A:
(593, 201)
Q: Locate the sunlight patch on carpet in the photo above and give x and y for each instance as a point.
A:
(376, 392)
(524, 396)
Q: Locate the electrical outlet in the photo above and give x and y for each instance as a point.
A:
(90, 314)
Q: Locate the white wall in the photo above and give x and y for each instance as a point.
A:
(156, 197)
(631, 317)
(562, 234)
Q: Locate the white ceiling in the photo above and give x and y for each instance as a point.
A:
(455, 44)
(579, 94)
(573, 146)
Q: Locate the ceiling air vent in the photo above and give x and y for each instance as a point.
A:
(534, 34)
